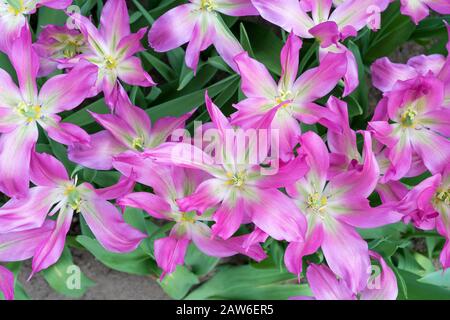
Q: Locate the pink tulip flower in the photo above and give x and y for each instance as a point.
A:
(292, 99)
(112, 49)
(14, 14)
(333, 208)
(325, 286)
(56, 192)
(330, 28)
(170, 184)
(23, 108)
(199, 23)
(237, 186)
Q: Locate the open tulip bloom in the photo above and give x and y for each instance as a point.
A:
(237, 186)
(56, 193)
(199, 23)
(325, 286)
(291, 99)
(112, 49)
(419, 124)
(173, 183)
(14, 15)
(420, 9)
(294, 176)
(333, 208)
(23, 108)
(329, 28)
(128, 129)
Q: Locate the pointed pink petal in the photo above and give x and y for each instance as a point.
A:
(434, 150)
(152, 204)
(318, 82)
(289, 61)
(226, 43)
(55, 4)
(7, 283)
(114, 22)
(15, 150)
(10, 95)
(346, 253)
(217, 117)
(228, 217)
(67, 91)
(325, 286)
(438, 121)
(184, 155)
(275, 213)
(46, 170)
(236, 8)
(441, 6)
(424, 64)
(256, 79)
(173, 29)
(416, 9)
(320, 9)
(170, 252)
(358, 213)
(217, 247)
(358, 13)
(287, 14)
(163, 128)
(202, 37)
(364, 180)
(108, 226)
(384, 286)
(51, 248)
(66, 133)
(208, 194)
(99, 153)
(327, 33)
(317, 158)
(26, 63)
(90, 32)
(124, 186)
(289, 173)
(131, 72)
(293, 257)
(21, 245)
(385, 73)
(29, 212)
(131, 44)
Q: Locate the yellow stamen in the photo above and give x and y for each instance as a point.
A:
(110, 62)
(73, 197)
(138, 144)
(30, 112)
(188, 217)
(237, 179)
(408, 117)
(284, 95)
(316, 202)
(18, 9)
(208, 5)
(444, 196)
